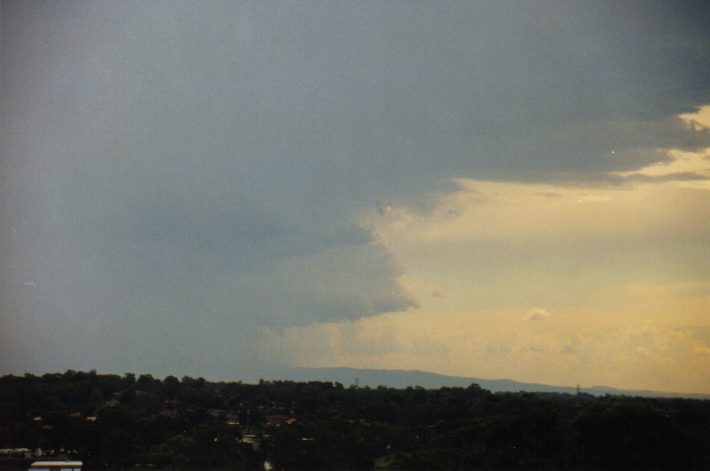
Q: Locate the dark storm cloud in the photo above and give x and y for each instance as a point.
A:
(190, 170)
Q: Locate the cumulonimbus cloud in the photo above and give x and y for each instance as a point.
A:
(199, 167)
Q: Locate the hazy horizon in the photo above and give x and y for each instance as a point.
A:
(478, 189)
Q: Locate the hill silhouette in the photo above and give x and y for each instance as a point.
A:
(425, 379)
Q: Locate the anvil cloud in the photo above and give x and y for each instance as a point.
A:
(182, 183)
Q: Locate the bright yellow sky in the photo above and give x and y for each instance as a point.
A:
(605, 284)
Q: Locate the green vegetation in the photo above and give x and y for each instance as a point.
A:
(123, 422)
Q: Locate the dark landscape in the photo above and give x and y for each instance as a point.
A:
(140, 422)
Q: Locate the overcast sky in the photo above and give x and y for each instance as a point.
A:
(493, 189)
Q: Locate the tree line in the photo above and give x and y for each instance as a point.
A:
(137, 422)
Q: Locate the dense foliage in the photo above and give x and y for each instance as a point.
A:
(112, 421)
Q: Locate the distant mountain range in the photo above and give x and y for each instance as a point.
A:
(406, 378)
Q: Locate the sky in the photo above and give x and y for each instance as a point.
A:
(492, 189)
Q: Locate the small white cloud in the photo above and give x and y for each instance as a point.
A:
(537, 314)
